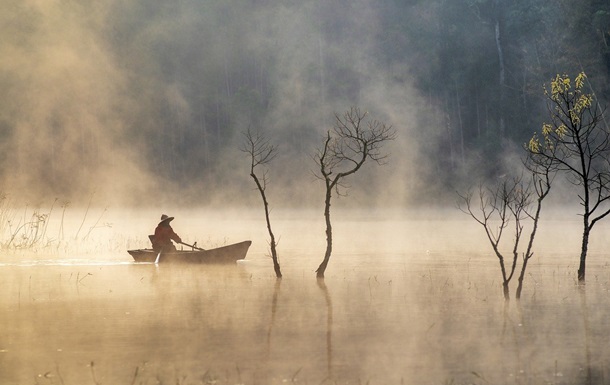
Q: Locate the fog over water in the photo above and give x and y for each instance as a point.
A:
(414, 299)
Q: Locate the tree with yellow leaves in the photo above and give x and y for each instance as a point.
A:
(576, 142)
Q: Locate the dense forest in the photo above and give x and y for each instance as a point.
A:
(148, 99)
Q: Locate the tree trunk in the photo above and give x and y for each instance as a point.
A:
(526, 258)
(505, 290)
(449, 130)
(458, 107)
(329, 233)
(583, 253)
(261, 189)
(498, 36)
(276, 263)
(528, 253)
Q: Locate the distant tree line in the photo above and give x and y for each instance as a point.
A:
(186, 78)
(479, 64)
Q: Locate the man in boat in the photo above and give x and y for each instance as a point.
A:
(164, 235)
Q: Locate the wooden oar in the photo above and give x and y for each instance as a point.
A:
(193, 246)
(158, 257)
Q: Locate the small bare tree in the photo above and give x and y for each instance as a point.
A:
(511, 200)
(262, 152)
(352, 140)
(542, 173)
(576, 142)
(495, 207)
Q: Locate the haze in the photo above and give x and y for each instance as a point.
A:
(146, 101)
(115, 112)
(404, 301)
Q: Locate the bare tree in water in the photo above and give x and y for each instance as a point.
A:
(348, 144)
(512, 200)
(262, 152)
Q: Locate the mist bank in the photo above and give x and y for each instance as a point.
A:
(145, 102)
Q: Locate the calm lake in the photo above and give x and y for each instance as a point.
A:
(408, 298)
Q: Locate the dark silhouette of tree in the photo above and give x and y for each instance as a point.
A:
(542, 174)
(262, 152)
(352, 140)
(577, 145)
(511, 200)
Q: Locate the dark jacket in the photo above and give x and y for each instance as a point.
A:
(164, 235)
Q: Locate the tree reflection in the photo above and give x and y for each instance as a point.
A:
(276, 292)
(329, 327)
(585, 315)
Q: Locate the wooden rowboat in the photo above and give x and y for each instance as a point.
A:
(224, 254)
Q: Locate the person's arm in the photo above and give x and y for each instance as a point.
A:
(175, 237)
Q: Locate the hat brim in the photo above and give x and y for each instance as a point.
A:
(168, 219)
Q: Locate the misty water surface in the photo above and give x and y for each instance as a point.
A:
(404, 301)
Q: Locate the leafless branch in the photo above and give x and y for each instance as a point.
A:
(352, 141)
